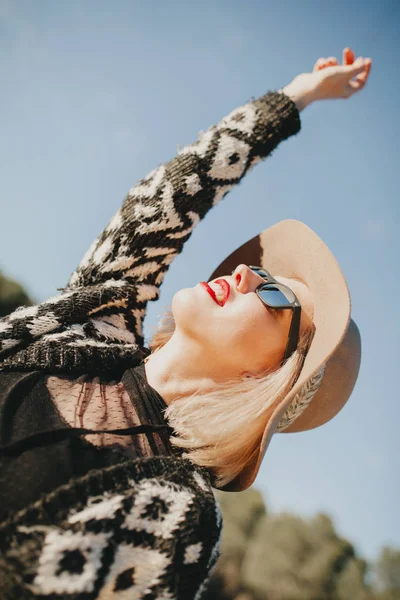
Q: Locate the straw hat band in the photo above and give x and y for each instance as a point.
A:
(301, 400)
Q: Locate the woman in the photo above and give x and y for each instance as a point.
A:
(98, 498)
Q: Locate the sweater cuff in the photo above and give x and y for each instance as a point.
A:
(279, 118)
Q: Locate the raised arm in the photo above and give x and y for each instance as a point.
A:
(160, 212)
(106, 297)
(125, 266)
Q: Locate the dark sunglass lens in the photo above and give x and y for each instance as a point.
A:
(274, 297)
(260, 272)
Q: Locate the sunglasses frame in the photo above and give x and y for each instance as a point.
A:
(295, 307)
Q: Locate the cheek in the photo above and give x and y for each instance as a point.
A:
(236, 328)
(250, 334)
(255, 336)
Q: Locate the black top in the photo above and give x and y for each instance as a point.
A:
(26, 408)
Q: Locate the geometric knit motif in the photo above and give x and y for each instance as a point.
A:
(123, 534)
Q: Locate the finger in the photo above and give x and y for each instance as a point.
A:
(356, 86)
(356, 68)
(319, 64)
(332, 60)
(348, 56)
(368, 64)
(363, 76)
(359, 82)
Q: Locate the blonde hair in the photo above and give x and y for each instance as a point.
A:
(221, 430)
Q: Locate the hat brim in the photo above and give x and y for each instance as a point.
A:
(291, 249)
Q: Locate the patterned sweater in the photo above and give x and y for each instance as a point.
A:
(142, 527)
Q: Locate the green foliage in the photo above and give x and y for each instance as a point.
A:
(242, 512)
(286, 557)
(387, 573)
(350, 583)
(293, 559)
(242, 509)
(12, 295)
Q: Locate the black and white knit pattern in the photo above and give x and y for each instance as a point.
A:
(98, 317)
(121, 533)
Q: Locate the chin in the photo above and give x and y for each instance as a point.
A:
(187, 305)
(182, 302)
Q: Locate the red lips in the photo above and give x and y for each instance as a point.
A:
(225, 288)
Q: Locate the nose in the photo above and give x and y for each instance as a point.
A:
(245, 279)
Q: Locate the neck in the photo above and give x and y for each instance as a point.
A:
(179, 369)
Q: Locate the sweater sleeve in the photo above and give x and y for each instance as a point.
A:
(160, 212)
(105, 301)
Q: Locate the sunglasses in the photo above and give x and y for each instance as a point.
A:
(278, 296)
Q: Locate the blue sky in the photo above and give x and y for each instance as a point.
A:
(96, 94)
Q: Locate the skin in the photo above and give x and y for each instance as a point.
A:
(329, 80)
(212, 344)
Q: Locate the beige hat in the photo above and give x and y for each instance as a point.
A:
(291, 249)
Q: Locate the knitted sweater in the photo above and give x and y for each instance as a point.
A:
(149, 526)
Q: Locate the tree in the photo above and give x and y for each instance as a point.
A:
(290, 558)
(387, 574)
(241, 513)
(12, 295)
(283, 557)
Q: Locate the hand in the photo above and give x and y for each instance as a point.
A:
(340, 81)
(330, 80)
